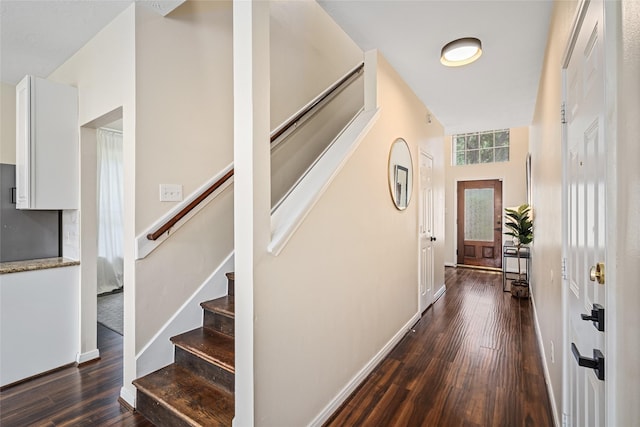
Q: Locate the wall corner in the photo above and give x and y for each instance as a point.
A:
(371, 80)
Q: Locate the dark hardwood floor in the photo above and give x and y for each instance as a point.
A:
(472, 361)
(85, 396)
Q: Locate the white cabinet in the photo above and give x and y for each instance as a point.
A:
(39, 321)
(47, 145)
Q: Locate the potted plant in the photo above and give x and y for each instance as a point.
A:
(520, 227)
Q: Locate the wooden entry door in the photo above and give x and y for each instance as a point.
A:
(480, 223)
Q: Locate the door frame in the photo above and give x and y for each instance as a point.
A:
(480, 177)
(611, 12)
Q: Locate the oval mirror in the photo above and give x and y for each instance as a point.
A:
(400, 173)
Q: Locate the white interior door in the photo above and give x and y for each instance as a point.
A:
(585, 219)
(427, 236)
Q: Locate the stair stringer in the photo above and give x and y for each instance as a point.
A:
(158, 352)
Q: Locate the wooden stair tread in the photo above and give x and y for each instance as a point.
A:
(224, 305)
(191, 398)
(211, 346)
(231, 275)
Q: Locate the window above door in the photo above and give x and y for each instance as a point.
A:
(480, 147)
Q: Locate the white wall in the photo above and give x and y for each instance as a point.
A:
(624, 51)
(623, 67)
(104, 72)
(546, 157)
(7, 123)
(512, 173)
(347, 281)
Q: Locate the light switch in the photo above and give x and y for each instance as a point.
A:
(170, 192)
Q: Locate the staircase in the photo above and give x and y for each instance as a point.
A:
(198, 388)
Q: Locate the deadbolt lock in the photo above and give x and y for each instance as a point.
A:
(597, 273)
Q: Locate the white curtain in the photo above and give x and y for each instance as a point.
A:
(110, 211)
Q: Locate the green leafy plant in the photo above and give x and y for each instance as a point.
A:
(520, 227)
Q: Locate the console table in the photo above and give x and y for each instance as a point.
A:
(509, 251)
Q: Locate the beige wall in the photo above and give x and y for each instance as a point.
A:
(7, 124)
(309, 52)
(512, 173)
(184, 101)
(546, 156)
(184, 127)
(347, 281)
(184, 135)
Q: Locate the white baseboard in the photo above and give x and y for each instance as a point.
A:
(450, 264)
(128, 394)
(335, 403)
(87, 356)
(439, 293)
(547, 376)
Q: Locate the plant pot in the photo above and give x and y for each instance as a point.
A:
(520, 289)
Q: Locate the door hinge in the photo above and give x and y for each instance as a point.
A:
(563, 113)
(564, 269)
(456, 252)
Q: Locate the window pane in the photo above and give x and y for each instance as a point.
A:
(502, 154)
(486, 155)
(486, 140)
(472, 141)
(478, 214)
(473, 157)
(502, 138)
(481, 147)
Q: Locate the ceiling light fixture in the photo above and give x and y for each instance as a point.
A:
(461, 52)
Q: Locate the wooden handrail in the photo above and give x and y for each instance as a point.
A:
(177, 217)
(324, 95)
(274, 136)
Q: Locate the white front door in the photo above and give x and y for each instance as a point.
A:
(585, 221)
(426, 231)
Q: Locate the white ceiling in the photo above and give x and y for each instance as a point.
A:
(497, 91)
(37, 36)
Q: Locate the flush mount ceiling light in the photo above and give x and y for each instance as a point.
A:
(461, 52)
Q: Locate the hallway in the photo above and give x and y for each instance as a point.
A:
(473, 360)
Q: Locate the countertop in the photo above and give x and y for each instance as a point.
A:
(35, 264)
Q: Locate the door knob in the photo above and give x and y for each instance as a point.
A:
(597, 273)
(597, 317)
(433, 239)
(597, 363)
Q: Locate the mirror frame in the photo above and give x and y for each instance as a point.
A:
(400, 174)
